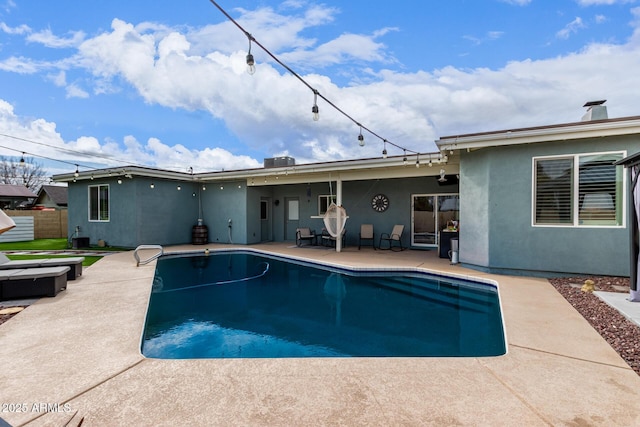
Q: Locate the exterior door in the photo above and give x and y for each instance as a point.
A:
(423, 220)
(431, 213)
(265, 220)
(292, 217)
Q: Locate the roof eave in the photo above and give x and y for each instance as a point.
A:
(571, 131)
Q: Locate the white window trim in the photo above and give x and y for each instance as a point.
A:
(89, 203)
(576, 195)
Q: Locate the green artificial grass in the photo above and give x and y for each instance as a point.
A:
(35, 245)
(88, 260)
(49, 245)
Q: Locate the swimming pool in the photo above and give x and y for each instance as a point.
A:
(243, 304)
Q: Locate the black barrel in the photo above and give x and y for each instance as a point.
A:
(200, 235)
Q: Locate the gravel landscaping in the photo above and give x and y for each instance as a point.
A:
(621, 333)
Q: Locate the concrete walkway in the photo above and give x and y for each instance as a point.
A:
(77, 356)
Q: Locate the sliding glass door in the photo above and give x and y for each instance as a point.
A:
(431, 213)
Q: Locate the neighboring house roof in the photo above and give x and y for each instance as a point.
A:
(16, 192)
(58, 194)
(559, 132)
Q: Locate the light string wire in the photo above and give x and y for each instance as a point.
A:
(74, 152)
(314, 90)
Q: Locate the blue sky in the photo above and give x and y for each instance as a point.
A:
(164, 84)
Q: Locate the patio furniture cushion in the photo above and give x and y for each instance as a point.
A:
(74, 264)
(32, 282)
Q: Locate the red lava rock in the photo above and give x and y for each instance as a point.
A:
(622, 334)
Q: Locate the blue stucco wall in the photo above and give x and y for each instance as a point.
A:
(496, 216)
(165, 216)
(138, 214)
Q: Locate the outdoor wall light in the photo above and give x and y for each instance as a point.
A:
(152, 185)
(179, 188)
(119, 180)
(204, 187)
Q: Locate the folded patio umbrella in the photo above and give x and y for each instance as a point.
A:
(6, 223)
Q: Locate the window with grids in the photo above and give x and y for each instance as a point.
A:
(99, 203)
(578, 190)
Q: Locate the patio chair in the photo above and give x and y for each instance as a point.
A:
(74, 264)
(32, 282)
(305, 233)
(394, 237)
(366, 233)
(329, 240)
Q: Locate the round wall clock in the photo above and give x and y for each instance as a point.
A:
(380, 202)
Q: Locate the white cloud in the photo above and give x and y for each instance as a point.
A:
(571, 28)
(204, 70)
(20, 29)
(603, 2)
(46, 38)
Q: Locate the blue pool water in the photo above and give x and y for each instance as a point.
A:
(243, 305)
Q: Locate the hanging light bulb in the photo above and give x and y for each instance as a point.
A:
(22, 162)
(384, 150)
(152, 185)
(430, 162)
(179, 187)
(204, 187)
(361, 138)
(315, 110)
(404, 161)
(77, 172)
(418, 161)
(251, 64)
(119, 180)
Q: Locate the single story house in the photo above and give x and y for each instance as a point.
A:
(15, 196)
(544, 201)
(51, 197)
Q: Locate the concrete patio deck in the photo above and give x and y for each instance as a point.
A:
(78, 356)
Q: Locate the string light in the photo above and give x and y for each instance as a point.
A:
(384, 151)
(315, 110)
(361, 137)
(77, 172)
(251, 64)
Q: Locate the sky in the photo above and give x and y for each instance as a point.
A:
(164, 84)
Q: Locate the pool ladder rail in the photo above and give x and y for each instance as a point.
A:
(156, 255)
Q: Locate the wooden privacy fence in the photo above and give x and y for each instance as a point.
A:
(46, 224)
